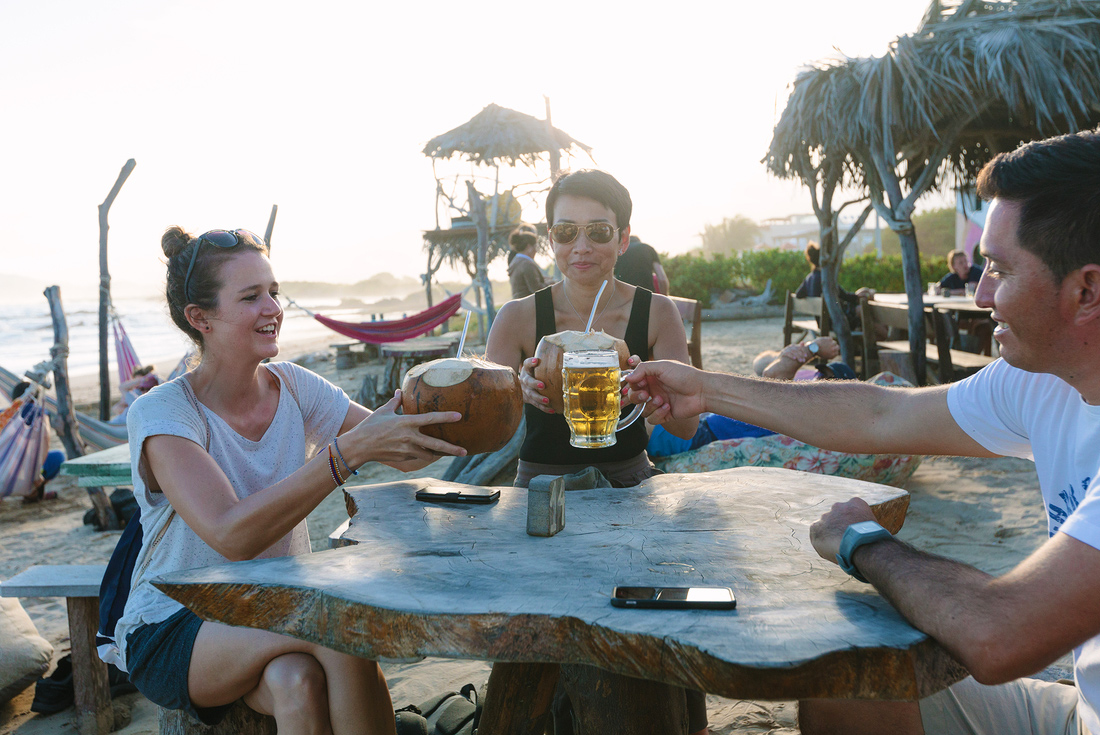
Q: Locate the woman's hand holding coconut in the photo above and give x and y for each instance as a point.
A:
(398, 440)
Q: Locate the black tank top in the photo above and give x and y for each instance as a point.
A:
(547, 440)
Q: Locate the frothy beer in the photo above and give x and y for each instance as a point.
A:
(590, 386)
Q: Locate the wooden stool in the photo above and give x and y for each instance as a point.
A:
(240, 720)
(400, 356)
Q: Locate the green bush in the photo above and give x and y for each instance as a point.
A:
(785, 268)
(699, 277)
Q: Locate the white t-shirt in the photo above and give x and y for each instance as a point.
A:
(300, 427)
(1042, 418)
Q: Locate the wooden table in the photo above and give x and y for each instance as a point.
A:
(466, 581)
(400, 356)
(945, 303)
(106, 468)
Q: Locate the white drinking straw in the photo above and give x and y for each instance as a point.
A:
(595, 303)
(462, 341)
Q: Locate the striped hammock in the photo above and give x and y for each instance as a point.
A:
(24, 443)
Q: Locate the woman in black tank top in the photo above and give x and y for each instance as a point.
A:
(589, 214)
(589, 217)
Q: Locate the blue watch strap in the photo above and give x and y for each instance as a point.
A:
(857, 535)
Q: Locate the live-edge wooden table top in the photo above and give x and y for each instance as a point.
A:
(466, 581)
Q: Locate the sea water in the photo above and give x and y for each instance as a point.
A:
(26, 332)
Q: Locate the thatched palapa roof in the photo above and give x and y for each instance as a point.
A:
(500, 133)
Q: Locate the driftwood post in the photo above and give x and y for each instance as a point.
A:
(59, 354)
(270, 225)
(67, 428)
(105, 291)
(477, 209)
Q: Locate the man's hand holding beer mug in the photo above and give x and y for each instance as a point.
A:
(672, 390)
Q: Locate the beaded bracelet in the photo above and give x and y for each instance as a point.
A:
(333, 468)
(336, 443)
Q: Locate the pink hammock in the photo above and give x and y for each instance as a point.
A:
(396, 330)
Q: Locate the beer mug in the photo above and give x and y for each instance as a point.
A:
(591, 387)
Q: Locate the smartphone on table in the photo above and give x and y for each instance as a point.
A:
(675, 598)
(457, 495)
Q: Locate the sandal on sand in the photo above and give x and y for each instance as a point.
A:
(55, 693)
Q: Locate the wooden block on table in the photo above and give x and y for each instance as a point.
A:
(546, 505)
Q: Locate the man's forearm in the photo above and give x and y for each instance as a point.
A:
(843, 417)
(952, 602)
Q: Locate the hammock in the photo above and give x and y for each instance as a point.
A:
(95, 433)
(396, 330)
(125, 356)
(23, 447)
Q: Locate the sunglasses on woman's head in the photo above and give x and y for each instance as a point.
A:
(220, 239)
(598, 232)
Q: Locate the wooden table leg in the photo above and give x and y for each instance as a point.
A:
(94, 715)
(607, 702)
(517, 699)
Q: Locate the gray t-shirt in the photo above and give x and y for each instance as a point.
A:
(300, 427)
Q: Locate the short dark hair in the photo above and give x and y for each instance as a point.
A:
(19, 389)
(523, 237)
(813, 255)
(592, 184)
(1056, 182)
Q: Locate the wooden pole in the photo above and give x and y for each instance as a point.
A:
(477, 209)
(555, 154)
(270, 225)
(105, 292)
(66, 424)
(66, 427)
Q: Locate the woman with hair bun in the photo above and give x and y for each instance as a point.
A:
(228, 460)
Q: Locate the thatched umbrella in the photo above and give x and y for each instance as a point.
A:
(498, 133)
(493, 135)
(977, 78)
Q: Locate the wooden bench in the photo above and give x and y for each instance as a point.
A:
(812, 306)
(691, 313)
(79, 585)
(951, 365)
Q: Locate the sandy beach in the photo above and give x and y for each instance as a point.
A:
(984, 512)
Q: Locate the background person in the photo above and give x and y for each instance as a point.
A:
(227, 462)
(1039, 402)
(641, 266)
(961, 273)
(524, 273)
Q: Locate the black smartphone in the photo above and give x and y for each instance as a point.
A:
(455, 495)
(675, 598)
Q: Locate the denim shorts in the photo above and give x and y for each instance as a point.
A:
(158, 656)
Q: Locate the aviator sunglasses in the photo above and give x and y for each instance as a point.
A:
(598, 232)
(225, 239)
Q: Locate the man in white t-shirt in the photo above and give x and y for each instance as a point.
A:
(1041, 401)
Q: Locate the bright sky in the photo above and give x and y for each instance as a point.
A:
(323, 108)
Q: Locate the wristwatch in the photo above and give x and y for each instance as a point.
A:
(857, 535)
(813, 348)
